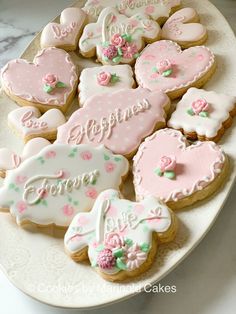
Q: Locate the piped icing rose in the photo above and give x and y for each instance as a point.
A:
(104, 78)
(50, 80)
(110, 52)
(164, 67)
(199, 107)
(167, 167)
(113, 240)
(117, 40)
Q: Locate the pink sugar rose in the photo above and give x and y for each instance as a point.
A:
(149, 9)
(129, 50)
(20, 179)
(50, 80)
(199, 105)
(110, 52)
(163, 66)
(91, 193)
(86, 155)
(133, 23)
(68, 210)
(104, 78)
(114, 241)
(117, 40)
(50, 154)
(21, 206)
(109, 166)
(167, 163)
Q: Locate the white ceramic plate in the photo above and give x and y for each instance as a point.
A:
(34, 260)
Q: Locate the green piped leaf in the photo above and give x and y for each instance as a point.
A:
(154, 69)
(129, 242)
(99, 248)
(114, 78)
(105, 44)
(94, 264)
(136, 55)
(158, 172)
(169, 174)
(61, 85)
(116, 59)
(44, 202)
(127, 37)
(76, 203)
(120, 264)
(117, 159)
(120, 52)
(190, 112)
(118, 253)
(106, 157)
(11, 186)
(48, 89)
(167, 73)
(204, 114)
(145, 247)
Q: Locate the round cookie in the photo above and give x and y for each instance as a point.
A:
(120, 237)
(164, 66)
(179, 174)
(49, 82)
(62, 180)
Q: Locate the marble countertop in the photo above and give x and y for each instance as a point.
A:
(206, 280)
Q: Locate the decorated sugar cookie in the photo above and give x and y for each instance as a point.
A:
(66, 34)
(10, 160)
(104, 79)
(184, 28)
(49, 82)
(29, 123)
(179, 174)
(163, 66)
(156, 9)
(120, 236)
(119, 120)
(62, 180)
(203, 115)
(115, 38)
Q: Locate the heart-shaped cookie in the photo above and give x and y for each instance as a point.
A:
(183, 28)
(119, 120)
(28, 122)
(49, 82)
(179, 174)
(66, 34)
(164, 66)
(10, 160)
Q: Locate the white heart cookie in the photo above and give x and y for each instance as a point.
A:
(29, 123)
(66, 34)
(10, 160)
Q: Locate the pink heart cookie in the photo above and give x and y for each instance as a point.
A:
(178, 174)
(119, 120)
(10, 160)
(66, 34)
(164, 66)
(183, 28)
(49, 82)
(29, 123)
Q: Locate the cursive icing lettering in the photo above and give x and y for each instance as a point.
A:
(61, 33)
(27, 121)
(36, 187)
(98, 130)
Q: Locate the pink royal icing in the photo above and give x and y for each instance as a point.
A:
(190, 177)
(119, 125)
(24, 79)
(188, 66)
